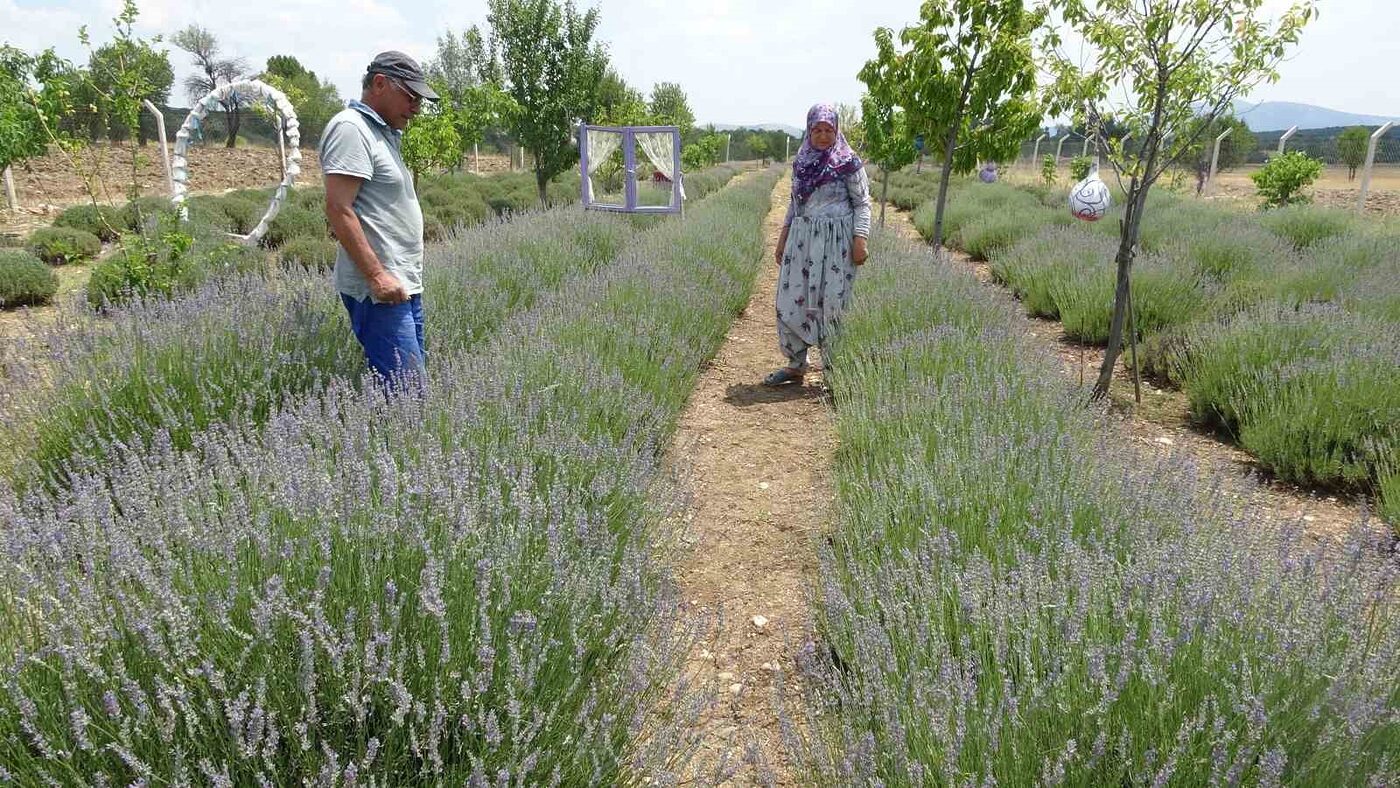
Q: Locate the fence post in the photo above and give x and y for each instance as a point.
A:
(1370, 164)
(1060, 149)
(1215, 161)
(726, 147)
(1084, 152)
(1035, 153)
(10, 198)
(476, 158)
(164, 151)
(1282, 141)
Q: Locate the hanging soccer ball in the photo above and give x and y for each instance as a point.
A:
(988, 173)
(1089, 200)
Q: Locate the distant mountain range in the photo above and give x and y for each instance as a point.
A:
(1282, 115)
(792, 131)
(1266, 116)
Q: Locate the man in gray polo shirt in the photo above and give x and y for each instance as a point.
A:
(373, 210)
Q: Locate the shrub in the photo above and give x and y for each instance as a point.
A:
(144, 212)
(316, 254)
(143, 265)
(293, 222)
(1079, 167)
(60, 245)
(1231, 252)
(102, 221)
(1282, 179)
(25, 280)
(1305, 225)
(241, 214)
(1048, 166)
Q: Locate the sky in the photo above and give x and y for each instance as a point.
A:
(739, 61)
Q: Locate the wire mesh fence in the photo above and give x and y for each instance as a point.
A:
(1344, 157)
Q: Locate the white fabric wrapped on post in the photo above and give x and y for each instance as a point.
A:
(1090, 199)
(249, 91)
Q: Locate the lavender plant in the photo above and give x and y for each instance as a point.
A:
(460, 586)
(1010, 599)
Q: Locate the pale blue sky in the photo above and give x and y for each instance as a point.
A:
(740, 61)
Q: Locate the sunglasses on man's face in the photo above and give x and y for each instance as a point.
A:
(413, 98)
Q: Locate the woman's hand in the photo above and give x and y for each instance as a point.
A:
(858, 251)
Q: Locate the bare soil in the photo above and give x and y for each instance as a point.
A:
(48, 184)
(759, 460)
(1161, 426)
(1335, 189)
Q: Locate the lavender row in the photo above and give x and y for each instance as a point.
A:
(1012, 598)
(1218, 297)
(461, 586)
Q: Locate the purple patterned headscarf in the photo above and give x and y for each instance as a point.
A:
(812, 167)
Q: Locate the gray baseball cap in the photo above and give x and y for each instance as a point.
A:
(405, 69)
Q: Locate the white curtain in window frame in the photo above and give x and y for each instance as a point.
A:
(601, 145)
(659, 146)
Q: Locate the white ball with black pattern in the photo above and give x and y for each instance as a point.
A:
(1090, 199)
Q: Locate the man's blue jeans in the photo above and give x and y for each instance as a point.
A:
(391, 334)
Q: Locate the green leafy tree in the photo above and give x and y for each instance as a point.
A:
(552, 69)
(670, 107)
(852, 125)
(431, 140)
(965, 78)
(1048, 169)
(1234, 149)
(620, 104)
(1283, 178)
(888, 141)
(468, 71)
(1166, 70)
(33, 98)
(704, 152)
(758, 147)
(214, 70)
(127, 67)
(315, 101)
(1351, 148)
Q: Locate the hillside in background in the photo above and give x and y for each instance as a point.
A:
(1282, 115)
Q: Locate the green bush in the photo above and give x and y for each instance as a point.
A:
(293, 222)
(1079, 167)
(241, 214)
(60, 245)
(316, 254)
(1048, 166)
(1282, 179)
(25, 280)
(166, 260)
(102, 221)
(1305, 225)
(142, 212)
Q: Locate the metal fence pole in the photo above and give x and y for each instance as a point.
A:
(1060, 149)
(10, 198)
(1215, 161)
(1282, 141)
(1035, 153)
(1084, 152)
(1370, 165)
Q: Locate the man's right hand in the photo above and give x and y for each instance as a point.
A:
(385, 288)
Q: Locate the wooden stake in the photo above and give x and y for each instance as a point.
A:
(10, 198)
(1132, 339)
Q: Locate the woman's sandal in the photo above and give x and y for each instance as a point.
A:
(784, 375)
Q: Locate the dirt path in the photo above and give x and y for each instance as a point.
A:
(1162, 425)
(760, 462)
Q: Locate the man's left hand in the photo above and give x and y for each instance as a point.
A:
(858, 252)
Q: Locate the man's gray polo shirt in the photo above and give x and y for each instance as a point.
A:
(358, 142)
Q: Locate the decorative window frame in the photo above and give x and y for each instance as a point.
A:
(288, 142)
(629, 158)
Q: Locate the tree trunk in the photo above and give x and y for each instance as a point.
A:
(1127, 247)
(948, 145)
(233, 121)
(542, 182)
(884, 191)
